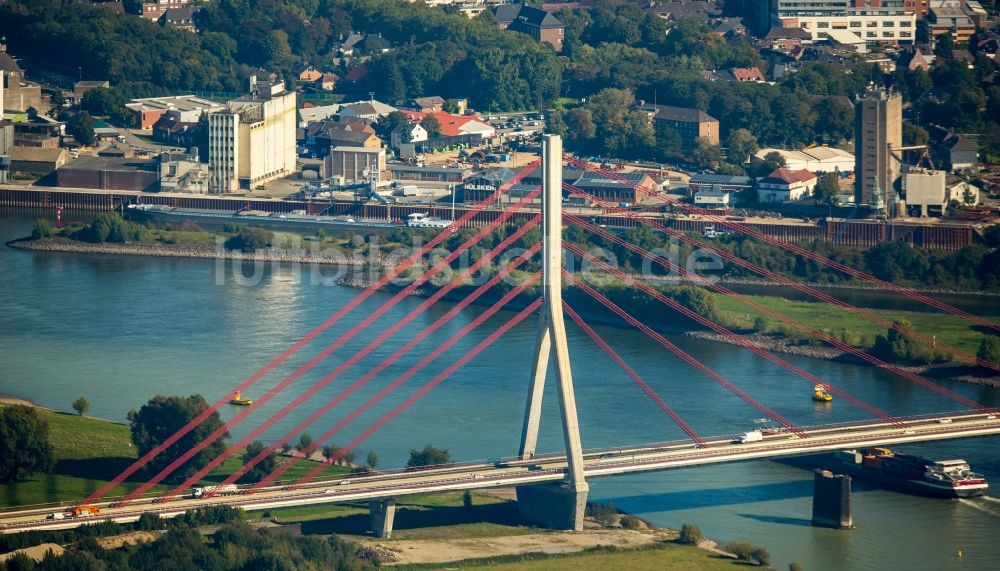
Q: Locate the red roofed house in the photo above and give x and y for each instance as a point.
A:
(747, 74)
(784, 185)
(458, 125)
(356, 74)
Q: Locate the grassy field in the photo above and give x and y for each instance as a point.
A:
(655, 557)
(948, 329)
(425, 516)
(90, 452)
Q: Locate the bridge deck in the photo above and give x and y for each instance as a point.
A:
(542, 468)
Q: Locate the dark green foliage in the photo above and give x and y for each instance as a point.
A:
(989, 349)
(250, 240)
(149, 522)
(690, 534)
(24, 443)
(305, 441)
(895, 346)
(432, 126)
(826, 189)
(992, 236)
(111, 227)
(42, 229)
(793, 566)
(372, 460)
(262, 468)
(81, 406)
(160, 418)
(429, 456)
(81, 127)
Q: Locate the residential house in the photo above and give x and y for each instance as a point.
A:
(960, 189)
(690, 124)
(705, 11)
(307, 73)
(326, 82)
(786, 40)
(322, 136)
(747, 74)
(356, 74)
(365, 110)
(154, 9)
(407, 133)
(363, 44)
(961, 151)
(169, 129)
(540, 25)
(426, 104)
(181, 18)
(81, 88)
(712, 198)
(917, 57)
(783, 185)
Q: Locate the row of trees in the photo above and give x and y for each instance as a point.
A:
(236, 546)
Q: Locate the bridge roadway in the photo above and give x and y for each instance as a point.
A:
(540, 469)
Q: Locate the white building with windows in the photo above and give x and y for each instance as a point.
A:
(874, 21)
(252, 141)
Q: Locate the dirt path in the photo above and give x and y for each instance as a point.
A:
(439, 551)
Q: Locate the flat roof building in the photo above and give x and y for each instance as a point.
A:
(187, 108)
(252, 140)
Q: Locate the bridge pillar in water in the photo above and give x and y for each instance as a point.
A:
(557, 505)
(832, 500)
(383, 512)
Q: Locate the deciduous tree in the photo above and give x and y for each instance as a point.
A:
(24, 443)
(163, 416)
(81, 406)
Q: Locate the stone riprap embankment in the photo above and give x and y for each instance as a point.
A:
(179, 251)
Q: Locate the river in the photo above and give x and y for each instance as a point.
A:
(119, 330)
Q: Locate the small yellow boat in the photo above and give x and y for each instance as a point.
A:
(821, 393)
(240, 400)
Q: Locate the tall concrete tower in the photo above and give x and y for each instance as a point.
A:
(562, 505)
(878, 127)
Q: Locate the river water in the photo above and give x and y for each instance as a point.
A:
(119, 330)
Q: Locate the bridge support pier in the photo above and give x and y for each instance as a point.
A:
(383, 512)
(555, 506)
(832, 500)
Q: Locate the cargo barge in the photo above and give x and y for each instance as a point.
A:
(295, 221)
(897, 470)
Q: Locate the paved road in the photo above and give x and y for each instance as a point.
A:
(543, 468)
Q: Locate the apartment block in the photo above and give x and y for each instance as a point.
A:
(875, 21)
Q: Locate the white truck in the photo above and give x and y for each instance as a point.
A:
(752, 436)
(226, 490)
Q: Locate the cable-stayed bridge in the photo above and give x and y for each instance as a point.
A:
(552, 488)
